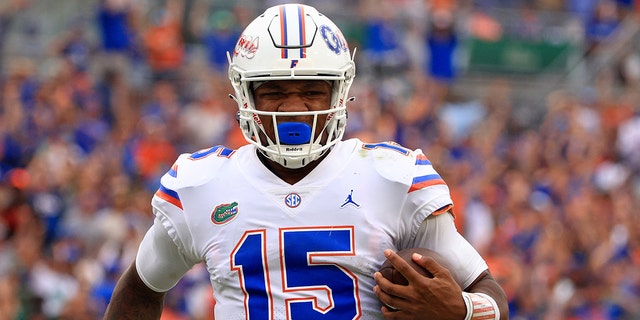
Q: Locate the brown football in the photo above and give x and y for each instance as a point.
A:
(390, 273)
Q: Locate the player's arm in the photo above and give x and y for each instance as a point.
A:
(159, 265)
(466, 265)
(486, 284)
(132, 299)
(442, 297)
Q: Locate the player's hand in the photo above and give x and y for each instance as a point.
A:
(439, 297)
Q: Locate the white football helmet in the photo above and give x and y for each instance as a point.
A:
(292, 42)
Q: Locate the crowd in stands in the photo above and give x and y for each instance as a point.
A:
(552, 206)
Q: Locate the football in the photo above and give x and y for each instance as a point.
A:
(390, 273)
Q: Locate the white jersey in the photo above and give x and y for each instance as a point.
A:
(302, 251)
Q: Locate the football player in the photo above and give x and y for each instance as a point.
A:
(297, 223)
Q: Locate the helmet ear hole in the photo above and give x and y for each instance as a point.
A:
(343, 121)
(244, 125)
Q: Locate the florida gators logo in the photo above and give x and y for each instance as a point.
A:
(224, 213)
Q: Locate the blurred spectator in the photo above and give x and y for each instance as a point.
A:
(219, 38)
(628, 67)
(442, 43)
(52, 280)
(482, 25)
(75, 47)
(207, 120)
(165, 106)
(163, 43)
(117, 35)
(601, 25)
(628, 142)
(113, 23)
(153, 153)
(581, 8)
(528, 24)
(382, 49)
(8, 11)
(9, 293)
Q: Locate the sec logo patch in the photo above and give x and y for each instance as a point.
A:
(292, 200)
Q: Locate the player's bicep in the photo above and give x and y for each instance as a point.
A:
(160, 263)
(438, 233)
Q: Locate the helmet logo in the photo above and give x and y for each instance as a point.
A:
(294, 63)
(247, 46)
(333, 39)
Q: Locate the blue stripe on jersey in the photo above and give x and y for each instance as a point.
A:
(422, 161)
(386, 145)
(173, 172)
(226, 152)
(222, 151)
(426, 178)
(425, 181)
(169, 195)
(169, 192)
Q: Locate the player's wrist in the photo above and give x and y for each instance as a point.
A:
(480, 306)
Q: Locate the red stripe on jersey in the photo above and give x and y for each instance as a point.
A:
(168, 198)
(424, 184)
(442, 210)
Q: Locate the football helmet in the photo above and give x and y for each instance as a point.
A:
(292, 42)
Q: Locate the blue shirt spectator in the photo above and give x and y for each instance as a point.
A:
(113, 25)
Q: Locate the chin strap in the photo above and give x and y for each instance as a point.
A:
(480, 306)
(294, 162)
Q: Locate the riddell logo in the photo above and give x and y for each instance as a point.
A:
(257, 119)
(293, 149)
(246, 47)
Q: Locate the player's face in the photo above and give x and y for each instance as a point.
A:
(292, 96)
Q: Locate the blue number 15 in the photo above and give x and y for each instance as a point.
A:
(317, 287)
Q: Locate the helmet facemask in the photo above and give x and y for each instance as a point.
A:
(322, 54)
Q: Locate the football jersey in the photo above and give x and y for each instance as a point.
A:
(302, 251)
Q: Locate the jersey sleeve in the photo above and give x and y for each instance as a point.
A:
(168, 251)
(427, 194)
(160, 263)
(438, 233)
(414, 188)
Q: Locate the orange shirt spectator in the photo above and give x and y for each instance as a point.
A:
(154, 153)
(164, 45)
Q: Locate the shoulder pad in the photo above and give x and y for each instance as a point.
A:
(193, 169)
(399, 164)
(391, 160)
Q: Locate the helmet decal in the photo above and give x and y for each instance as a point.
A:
(334, 40)
(293, 30)
(247, 46)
